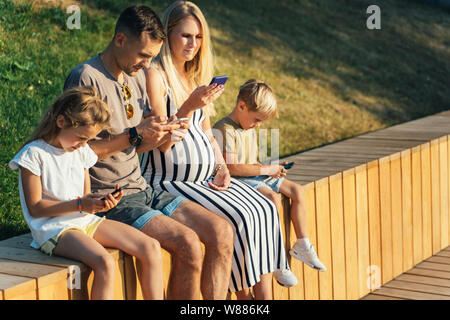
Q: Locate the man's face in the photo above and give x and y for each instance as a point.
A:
(133, 54)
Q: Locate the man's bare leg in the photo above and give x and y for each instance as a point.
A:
(218, 237)
(184, 246)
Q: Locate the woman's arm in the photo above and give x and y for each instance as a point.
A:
(156, 93)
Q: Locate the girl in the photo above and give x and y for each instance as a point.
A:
(58, 207)
(194, 167)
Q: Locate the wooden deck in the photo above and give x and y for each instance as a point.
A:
(429, 280)
(377, 213)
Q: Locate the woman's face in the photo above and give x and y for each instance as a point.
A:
(186, 39)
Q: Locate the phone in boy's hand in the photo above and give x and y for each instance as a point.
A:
(177, 120)
(288, 165)
(219, 80)
(117, 191)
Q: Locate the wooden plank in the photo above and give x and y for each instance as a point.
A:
(419, 287)
(17, 287)
(425, 280)
(374, 296)
(373, 193)
(396, 215)
(426, 200)
(311, 276)
(337, 237)
(350, 235)
(324, 238)
(435, 197)
(443, 176)
(430, 273)
(408, 253)
(434, 266)
(416, 185)
(443, 253)
(1, 294)
(439, 259)
(448, 178)
(386, 222)
(411, 295)
(51, 281)
(362, 226)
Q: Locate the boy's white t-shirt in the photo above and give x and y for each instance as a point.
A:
(62, 177)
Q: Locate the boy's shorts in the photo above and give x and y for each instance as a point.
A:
(139, 208)
(89, 230)
(263, 181)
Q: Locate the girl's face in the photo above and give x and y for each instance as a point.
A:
(186, 39)
(70, 139)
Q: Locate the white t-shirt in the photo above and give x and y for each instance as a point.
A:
(62, 177)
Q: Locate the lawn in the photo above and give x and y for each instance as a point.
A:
(333, 77)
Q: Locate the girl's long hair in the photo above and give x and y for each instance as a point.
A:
(80, 107)
(200, 69)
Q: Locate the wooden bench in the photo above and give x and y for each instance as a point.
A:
(377, 204)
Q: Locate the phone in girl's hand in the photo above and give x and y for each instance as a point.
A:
(219, 80)
(117, 191)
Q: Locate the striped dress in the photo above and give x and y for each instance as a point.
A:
(185, 169)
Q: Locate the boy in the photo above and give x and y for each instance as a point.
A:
(256, 103)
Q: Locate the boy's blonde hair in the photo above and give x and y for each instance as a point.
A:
(258, 97)
(80, 107)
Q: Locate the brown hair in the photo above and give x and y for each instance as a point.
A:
(80, 107)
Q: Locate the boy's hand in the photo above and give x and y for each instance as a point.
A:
(221, 180)
(276, 171)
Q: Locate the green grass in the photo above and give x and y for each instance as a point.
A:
(333, 77)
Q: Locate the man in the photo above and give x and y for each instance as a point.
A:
(177, 223)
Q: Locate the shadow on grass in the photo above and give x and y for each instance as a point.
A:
(404, 72)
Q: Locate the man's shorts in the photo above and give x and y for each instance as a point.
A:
(263, 181)
(139, 208)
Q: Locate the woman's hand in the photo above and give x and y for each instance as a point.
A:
(203, 96)
(221, 180)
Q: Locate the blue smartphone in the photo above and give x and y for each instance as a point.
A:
(288, 165)
(219, 80)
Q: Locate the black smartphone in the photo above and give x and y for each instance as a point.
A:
(117, 190)
(219, 80)
(288, 165)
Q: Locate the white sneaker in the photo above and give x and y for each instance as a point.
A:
(308, 255)
(285, 278)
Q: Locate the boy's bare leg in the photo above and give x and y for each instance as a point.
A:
(298, 212)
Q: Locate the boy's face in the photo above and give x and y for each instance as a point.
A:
(250, 119)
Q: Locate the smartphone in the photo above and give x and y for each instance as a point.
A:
(117, 191)
(288, 165)
(219, 80)
(177, 120)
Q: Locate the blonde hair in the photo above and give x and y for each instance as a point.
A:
(79, 106)
(259, 97)
(200, 69)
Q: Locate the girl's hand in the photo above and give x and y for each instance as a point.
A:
(221, 180)
(203, 96)
(92, 203)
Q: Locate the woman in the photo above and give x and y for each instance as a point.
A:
(194, 166)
